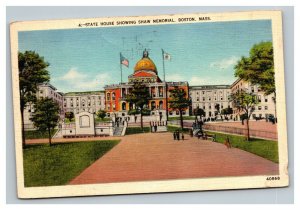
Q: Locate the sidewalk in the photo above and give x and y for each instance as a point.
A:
(156, 156)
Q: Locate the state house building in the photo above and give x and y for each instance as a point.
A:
(145, 71)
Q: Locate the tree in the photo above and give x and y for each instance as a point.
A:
(226, 111)
(258, 68)
(46, 115)
(198, 112)
(69, 116)
(32, 71)
(101, 114)
(179, 101)
(245, 103)
(139, 96)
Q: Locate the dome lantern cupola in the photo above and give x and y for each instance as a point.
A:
(145, 63)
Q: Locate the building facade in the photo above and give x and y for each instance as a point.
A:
(77, 102)
(207, 97)
(145, 71)
(265, 107)
(45, 90)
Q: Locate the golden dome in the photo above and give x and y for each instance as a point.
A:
(145, 63)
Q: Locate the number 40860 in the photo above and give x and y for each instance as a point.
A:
(273, 178)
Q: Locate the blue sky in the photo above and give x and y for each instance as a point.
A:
(201, 53)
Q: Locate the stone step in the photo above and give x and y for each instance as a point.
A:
(161, 129)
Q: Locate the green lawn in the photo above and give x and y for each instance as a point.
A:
(38, 134)
(69, 121)
(184, 118)
(175, 128)
(60, 163)
(264, 148)
(135, 130)
(106, 119)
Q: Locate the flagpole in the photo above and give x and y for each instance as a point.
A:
(162, 51)
(121, 67)
(166, 87)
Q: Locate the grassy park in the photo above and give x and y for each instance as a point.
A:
(175, 128)
(136, 130)
(184, 118)
(263, 148)
(36, 134)
(58, 164)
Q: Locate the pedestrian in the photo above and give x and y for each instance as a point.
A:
(227, 143)
(182, 136)
(178, 135)
(155, 127)
(174, 135)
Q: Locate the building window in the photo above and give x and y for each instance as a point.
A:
(266, 107)
(203, 92)
(259, 107)
(108, 96)
(259, 98)
(203, 107)
(209, 98)
(161, 105)
(197, 93)
(266, 99)
(123, 106)
(203, 98)
(221, 98)
(197, 98)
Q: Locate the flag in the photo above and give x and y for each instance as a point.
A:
(124, 61)
(167, 56)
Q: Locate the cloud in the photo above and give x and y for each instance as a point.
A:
(195, 80)
(72, 74)
(224, 63)
(75, 80)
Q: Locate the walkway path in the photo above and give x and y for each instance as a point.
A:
(156, 156)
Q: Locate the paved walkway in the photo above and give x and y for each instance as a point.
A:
(260, 125)
(156, 156)
(260, 129)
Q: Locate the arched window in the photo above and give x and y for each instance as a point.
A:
(113, 96)
(161, 104)
(124, 106)
(108, 96)
(152, 105)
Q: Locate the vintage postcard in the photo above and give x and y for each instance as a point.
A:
(124, 105)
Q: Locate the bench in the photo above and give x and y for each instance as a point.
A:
(206, 136)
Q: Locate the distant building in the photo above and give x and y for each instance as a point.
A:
(207, 96)
(90, 101)
(145, 71)
(45, 90)
(263, 109)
